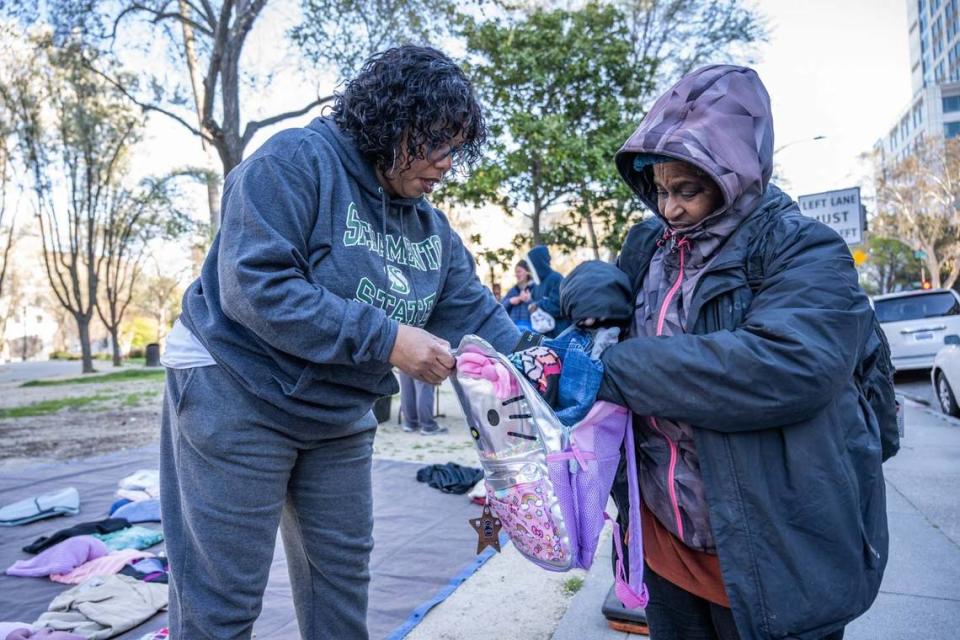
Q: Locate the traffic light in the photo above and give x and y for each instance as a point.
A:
(925, 284)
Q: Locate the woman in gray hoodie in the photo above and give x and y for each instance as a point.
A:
(330, 269)
(763, 508)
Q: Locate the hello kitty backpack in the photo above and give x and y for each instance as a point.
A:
(548, 483)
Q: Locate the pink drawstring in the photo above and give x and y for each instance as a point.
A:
(479, 366)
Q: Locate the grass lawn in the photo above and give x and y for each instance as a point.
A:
(125, 375)
(45, 407)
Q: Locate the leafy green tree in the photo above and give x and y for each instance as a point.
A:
(341, 34)
(892, 265)
(561, 97)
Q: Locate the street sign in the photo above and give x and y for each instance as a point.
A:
(840, 210)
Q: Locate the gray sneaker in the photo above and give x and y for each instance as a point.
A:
(410, 429)
(433, 431)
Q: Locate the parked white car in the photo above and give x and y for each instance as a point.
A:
(916, 323)
(945, 375)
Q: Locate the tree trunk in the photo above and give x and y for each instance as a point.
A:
(592, 235)
(952, 276)
(213, 179)
(83, 329)
(115, 343)
(213, 195)
(933, 267)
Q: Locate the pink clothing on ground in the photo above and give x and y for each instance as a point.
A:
(60, 558)
(106, 565)
(476, 365)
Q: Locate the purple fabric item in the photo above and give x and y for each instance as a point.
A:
(60, 558)
(595, 449)
(7, 628)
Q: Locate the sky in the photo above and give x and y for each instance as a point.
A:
(834, 69)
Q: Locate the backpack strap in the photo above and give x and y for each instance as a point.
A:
(630, 589)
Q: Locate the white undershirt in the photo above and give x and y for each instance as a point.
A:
(184, 351)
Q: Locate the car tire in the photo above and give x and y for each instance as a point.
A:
(946, 397)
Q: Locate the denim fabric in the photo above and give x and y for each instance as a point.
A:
(581, 376)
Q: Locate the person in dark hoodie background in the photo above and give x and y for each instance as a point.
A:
(763, 506)
(518, 297)
(546, 290)
(330, 268)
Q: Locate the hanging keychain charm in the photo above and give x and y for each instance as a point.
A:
(487, 527)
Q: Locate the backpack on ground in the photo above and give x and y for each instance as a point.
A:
(548, 483)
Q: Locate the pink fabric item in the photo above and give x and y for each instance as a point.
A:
(106, 565)
(60, 558)
(476, 365)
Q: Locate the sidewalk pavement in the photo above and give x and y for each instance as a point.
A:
(920, 594)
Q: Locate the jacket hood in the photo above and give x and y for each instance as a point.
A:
(716, 118)
(539, 260)
(357, 165)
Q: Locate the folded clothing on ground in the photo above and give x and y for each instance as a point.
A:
(57, 503)
(141, 485)
(103, 566)
(130, 538)
(26, 632)
(450, 477)
(148, 570)
(104, 606)
(97, 526)
(60, 558)
(139, 511)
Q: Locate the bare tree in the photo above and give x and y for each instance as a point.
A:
(917, 201)
(682, 35)
(73, 132)
(159, 296)
(132, 218)
(6, 216)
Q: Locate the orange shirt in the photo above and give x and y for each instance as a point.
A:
(694, 571)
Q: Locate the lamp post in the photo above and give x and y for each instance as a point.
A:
(793, 142)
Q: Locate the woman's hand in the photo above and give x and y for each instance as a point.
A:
(422, 355)
(524, 295)
(515, 300)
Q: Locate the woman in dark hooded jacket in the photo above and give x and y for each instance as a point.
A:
(763, 510)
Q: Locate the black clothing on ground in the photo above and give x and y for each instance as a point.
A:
(84, 528)
(450, 477)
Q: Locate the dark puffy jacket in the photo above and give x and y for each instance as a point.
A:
(789, 450)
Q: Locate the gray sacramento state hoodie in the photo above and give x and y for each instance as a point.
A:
(314, 267)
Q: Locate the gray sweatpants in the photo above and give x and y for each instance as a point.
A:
(416, 402)
(232, 470)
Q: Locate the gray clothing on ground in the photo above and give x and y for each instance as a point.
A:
(233, 469)
(104, 606)
(416, 403)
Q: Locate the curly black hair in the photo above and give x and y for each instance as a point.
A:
(410, 95)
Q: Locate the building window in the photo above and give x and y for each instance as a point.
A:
(951, 104)
(951, 129)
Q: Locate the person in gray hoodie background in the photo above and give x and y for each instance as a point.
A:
(330, 269)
